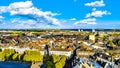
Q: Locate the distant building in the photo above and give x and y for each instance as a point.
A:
(82, 30)
(85, 65)
(67, 53)
(92, 37)
(93, 30)
(85, 53)
(78, 30)
(4, 34)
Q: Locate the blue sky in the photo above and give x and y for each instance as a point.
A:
(61, 14)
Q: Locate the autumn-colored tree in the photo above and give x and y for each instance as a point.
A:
(1, 56)
(55, 58)
(15, 57)
(7, 53)
(32, 56)
(56, 62)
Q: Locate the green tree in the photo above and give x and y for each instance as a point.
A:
(55, 58)
(49, 64)
(61, 62)
(118, 42)
(58, 65)
(32, 56)
(48, 58)
(8, 54)
(56, 62)
(20, 56)
(1, 56)
(111, 43)
(15, 56)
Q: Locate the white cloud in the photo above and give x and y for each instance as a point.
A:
(99, 3)
(1, 20)
(94, 9)
(86, 21)
(3, 9)
(18, 5)
(97, 13)
(18, 23)
(1, 17)
(73, 19)
(91, 17)
(25, 22)
(26, 9)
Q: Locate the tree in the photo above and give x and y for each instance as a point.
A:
(55, 58)
(8, 54)
(32, 56)
(58, 65)
(56, 62)
(49, 64)
(20, 57)
(1, 56)
(118, 42)
(61, 62)
(15, 56)
(111, 43)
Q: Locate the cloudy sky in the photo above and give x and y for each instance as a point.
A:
(61, 14)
